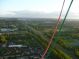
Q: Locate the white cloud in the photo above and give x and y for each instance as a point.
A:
(33, 14)
(5, 13)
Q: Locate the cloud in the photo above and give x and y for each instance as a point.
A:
(27, 14)
(33, 14)
(6, 13)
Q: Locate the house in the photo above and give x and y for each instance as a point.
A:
(15, 46)
(8, 29)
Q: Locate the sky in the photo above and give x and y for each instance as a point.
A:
(45, 8)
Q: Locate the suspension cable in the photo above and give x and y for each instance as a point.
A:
(61, 26)
(55, 30)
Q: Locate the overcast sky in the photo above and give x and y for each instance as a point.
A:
(50, 7)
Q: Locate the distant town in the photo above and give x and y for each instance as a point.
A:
(27, 38)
